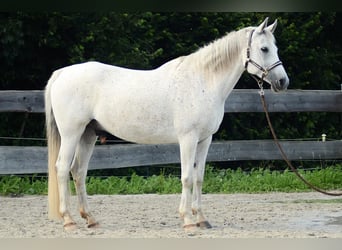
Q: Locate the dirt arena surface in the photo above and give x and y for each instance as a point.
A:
(271, 215)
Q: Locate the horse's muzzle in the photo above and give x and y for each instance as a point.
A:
(280, 85)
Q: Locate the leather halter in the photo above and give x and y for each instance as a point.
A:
(264, 71)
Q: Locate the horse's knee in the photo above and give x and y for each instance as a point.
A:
(187, 181)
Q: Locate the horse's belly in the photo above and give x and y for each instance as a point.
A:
(146, 138)
(146, 130)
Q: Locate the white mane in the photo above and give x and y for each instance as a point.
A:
(219, 54)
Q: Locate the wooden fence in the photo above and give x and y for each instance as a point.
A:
(21, 160)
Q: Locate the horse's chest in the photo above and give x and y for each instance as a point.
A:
(211, 120)
(203, 117)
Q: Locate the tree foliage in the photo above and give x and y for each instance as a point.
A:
(33, 45)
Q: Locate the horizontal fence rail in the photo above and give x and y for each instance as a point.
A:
(24, 160)
(240, 100)
(32, 159)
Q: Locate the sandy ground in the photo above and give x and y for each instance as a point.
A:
(272, 215)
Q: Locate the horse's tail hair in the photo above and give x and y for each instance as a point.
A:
(53, 142)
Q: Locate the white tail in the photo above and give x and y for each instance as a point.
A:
(53, 143)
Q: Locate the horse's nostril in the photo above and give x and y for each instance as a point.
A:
(283, 82)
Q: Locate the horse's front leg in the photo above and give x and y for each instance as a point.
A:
(199, 167)
(188, 145)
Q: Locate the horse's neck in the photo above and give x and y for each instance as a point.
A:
(226, 81)
(221, 62)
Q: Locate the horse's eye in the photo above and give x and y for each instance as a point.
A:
(264, 49)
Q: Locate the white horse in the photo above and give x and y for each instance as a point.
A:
(181, 102)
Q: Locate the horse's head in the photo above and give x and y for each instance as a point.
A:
(262, 57)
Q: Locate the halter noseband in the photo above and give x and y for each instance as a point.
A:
(264, 71)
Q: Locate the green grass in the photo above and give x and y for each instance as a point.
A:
(265, 180)
(15, 185)
(216, 181)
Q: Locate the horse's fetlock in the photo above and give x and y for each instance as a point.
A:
(194, 211)
(84, 215)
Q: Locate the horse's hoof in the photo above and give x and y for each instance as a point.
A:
(94, 225)
(70, 226)
(190, 227)
(204, 225)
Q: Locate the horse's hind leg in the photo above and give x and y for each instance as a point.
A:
(63, 165)
(201, 155)
(79, 172)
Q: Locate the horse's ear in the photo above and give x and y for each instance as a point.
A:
(273, 26)
(262, 26)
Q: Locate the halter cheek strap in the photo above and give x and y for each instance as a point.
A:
(264, 71)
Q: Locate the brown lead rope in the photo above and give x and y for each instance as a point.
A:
(262, 95)
(260, 81)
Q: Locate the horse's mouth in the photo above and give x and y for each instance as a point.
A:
(275, 88)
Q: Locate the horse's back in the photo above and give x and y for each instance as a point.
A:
(92, 81)
(102, 76)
